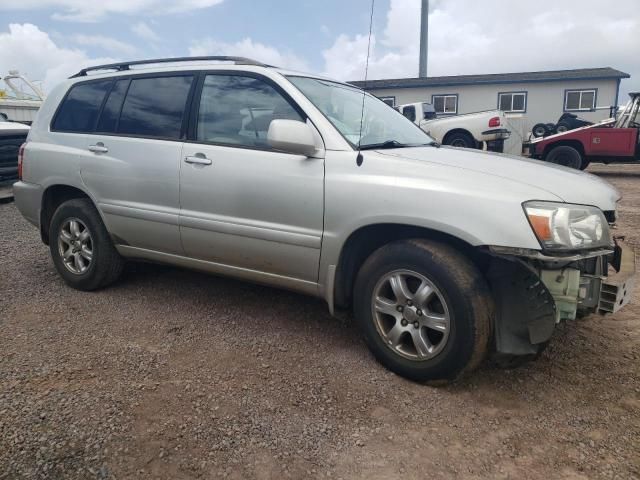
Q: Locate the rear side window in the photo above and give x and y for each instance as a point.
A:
(410, 113)
(111, 112)
(154, 107)
(79, 109)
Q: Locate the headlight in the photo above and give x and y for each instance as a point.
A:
(562, 226)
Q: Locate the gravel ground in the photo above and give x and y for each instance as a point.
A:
(177, 375)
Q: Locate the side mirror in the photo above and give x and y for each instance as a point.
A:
(292, 136)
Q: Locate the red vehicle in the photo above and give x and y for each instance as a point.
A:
(613, 140)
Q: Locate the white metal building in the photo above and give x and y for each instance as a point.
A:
(539, 97)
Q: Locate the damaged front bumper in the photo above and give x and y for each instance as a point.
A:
(534, 292)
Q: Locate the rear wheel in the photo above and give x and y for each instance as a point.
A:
(566, 156)
(424, 309)
(460, 140)
(81, 248)
(563, 127)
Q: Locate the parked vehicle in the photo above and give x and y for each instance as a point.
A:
(567, 121)
(20, 98)
(306, 183)
(470, 130)
(613, 140)
(12, 135)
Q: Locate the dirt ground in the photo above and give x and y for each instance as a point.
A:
(172, 374)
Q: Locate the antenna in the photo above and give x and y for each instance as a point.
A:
(359, 158)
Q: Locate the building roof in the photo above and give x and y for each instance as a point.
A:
(606, 73)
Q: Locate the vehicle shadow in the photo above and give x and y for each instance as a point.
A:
(616, 173)
(213, 299)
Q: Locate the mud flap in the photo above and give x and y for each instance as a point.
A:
(525, 310)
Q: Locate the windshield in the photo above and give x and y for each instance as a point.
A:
(382, 126)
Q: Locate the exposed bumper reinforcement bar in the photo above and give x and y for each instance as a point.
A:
(617, 289)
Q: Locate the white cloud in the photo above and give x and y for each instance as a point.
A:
(145, 32)
(94, 10)
(105, 43)
(248, 48)
(495, 36)
(31, 51)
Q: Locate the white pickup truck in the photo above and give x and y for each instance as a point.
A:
(472, 130)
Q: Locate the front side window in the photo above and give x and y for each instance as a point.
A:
(512, 102)
(155, 106)
(237, 110)
(580, 100)
(79, 110)
(447, 104)
(365, 124)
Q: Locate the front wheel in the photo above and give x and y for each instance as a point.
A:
(424, 309)
(81, 248)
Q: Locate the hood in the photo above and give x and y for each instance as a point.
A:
(569, 185)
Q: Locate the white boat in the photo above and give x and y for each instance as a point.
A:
(20, 99)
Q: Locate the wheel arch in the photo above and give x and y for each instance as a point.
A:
(464, 131)
(52, 197)
(366, 239)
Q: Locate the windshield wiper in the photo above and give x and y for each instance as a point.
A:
(396, 144)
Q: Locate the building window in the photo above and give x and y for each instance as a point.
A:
(513, 102)
(580, 100)
(446, 104)
(391, 101)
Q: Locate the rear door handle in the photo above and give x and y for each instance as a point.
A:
(198, 159)
(98, 148)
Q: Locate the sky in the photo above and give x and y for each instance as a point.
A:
(50, 40)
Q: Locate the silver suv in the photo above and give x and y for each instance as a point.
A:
(233, 167)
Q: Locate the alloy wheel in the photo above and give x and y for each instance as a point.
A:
(75, 246)
(411, 315)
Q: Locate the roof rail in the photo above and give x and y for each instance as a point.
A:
(122, 66)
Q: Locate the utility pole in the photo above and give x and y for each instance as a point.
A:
(424, 38)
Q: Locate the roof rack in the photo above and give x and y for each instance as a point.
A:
(122, 66)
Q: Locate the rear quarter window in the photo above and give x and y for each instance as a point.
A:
(79, 109)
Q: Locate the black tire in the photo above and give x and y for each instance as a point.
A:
(540, 130)
(565, 156)
(460, 140)
(563, 127)
(106, 264)
(462, 287)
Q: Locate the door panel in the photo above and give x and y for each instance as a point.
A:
(248, 206)
(613, 141)
(132, 168)
(253, 209)
(136, 185)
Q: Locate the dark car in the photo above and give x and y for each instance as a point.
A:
(12, 135)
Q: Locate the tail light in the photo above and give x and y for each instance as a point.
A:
(494, 122)
(21, 160)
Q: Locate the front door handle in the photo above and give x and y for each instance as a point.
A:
(98, 148)
(198, 159)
